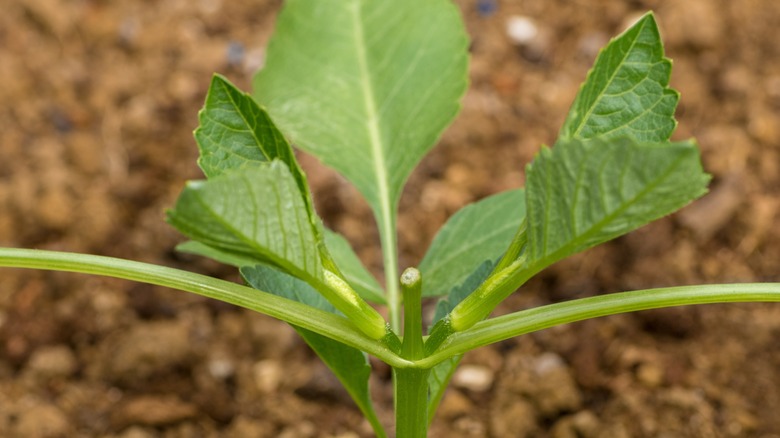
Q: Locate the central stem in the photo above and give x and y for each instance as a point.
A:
(411, 285)
(411, 384)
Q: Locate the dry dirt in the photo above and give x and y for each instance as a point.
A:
(97, 103)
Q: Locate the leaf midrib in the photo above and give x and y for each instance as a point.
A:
(242, 237)
(548, 259)
(601, 93)
(372, 115)
(250, 126)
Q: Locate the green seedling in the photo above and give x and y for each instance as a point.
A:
(367, 87)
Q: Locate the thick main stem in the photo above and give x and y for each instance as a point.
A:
(411, 385)
(411, 402)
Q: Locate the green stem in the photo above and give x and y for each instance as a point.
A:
(539, 318)
(411, 385)
(411, 402)
(411, 285)
(298, 314)
(389, 241)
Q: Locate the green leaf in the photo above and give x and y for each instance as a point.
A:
(253, 213)
(441, 374)
(350, 265)
(438, 382)
(346, 259)
(235, 133)
(268, 279)
(580, 194)
(626, 92)
(366, 86)
(350, 365)
(478, 232)
(232, 259)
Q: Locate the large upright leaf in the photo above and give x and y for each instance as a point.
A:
(582, 193)
(366, 86)
(254, 212)
(350, 365)
(626, 93)
(476, 233)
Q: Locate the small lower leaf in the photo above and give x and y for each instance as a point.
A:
(350, 365)
(477, 232)
(203, 250)
(438, 381)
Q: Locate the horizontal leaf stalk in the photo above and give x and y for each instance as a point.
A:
(539, 318)
(301, 315)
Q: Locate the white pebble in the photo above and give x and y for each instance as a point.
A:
(521, 30)
(473, 377)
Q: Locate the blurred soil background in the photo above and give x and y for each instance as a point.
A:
(98, 101)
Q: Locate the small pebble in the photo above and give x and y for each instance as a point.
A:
(53, 361)
(548, 362)
(41, 421)
(221, 368)
(521, 30)
(650, 375)
(147, 349)
(267, 375)
(153, 411)
(474, 378)
(137, 432)
(454, 404)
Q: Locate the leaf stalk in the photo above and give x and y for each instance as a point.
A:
(539, 318)
(325, 323)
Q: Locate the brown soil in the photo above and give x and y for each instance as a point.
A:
(98, 103)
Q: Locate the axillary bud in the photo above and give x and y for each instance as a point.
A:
(344, 298)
